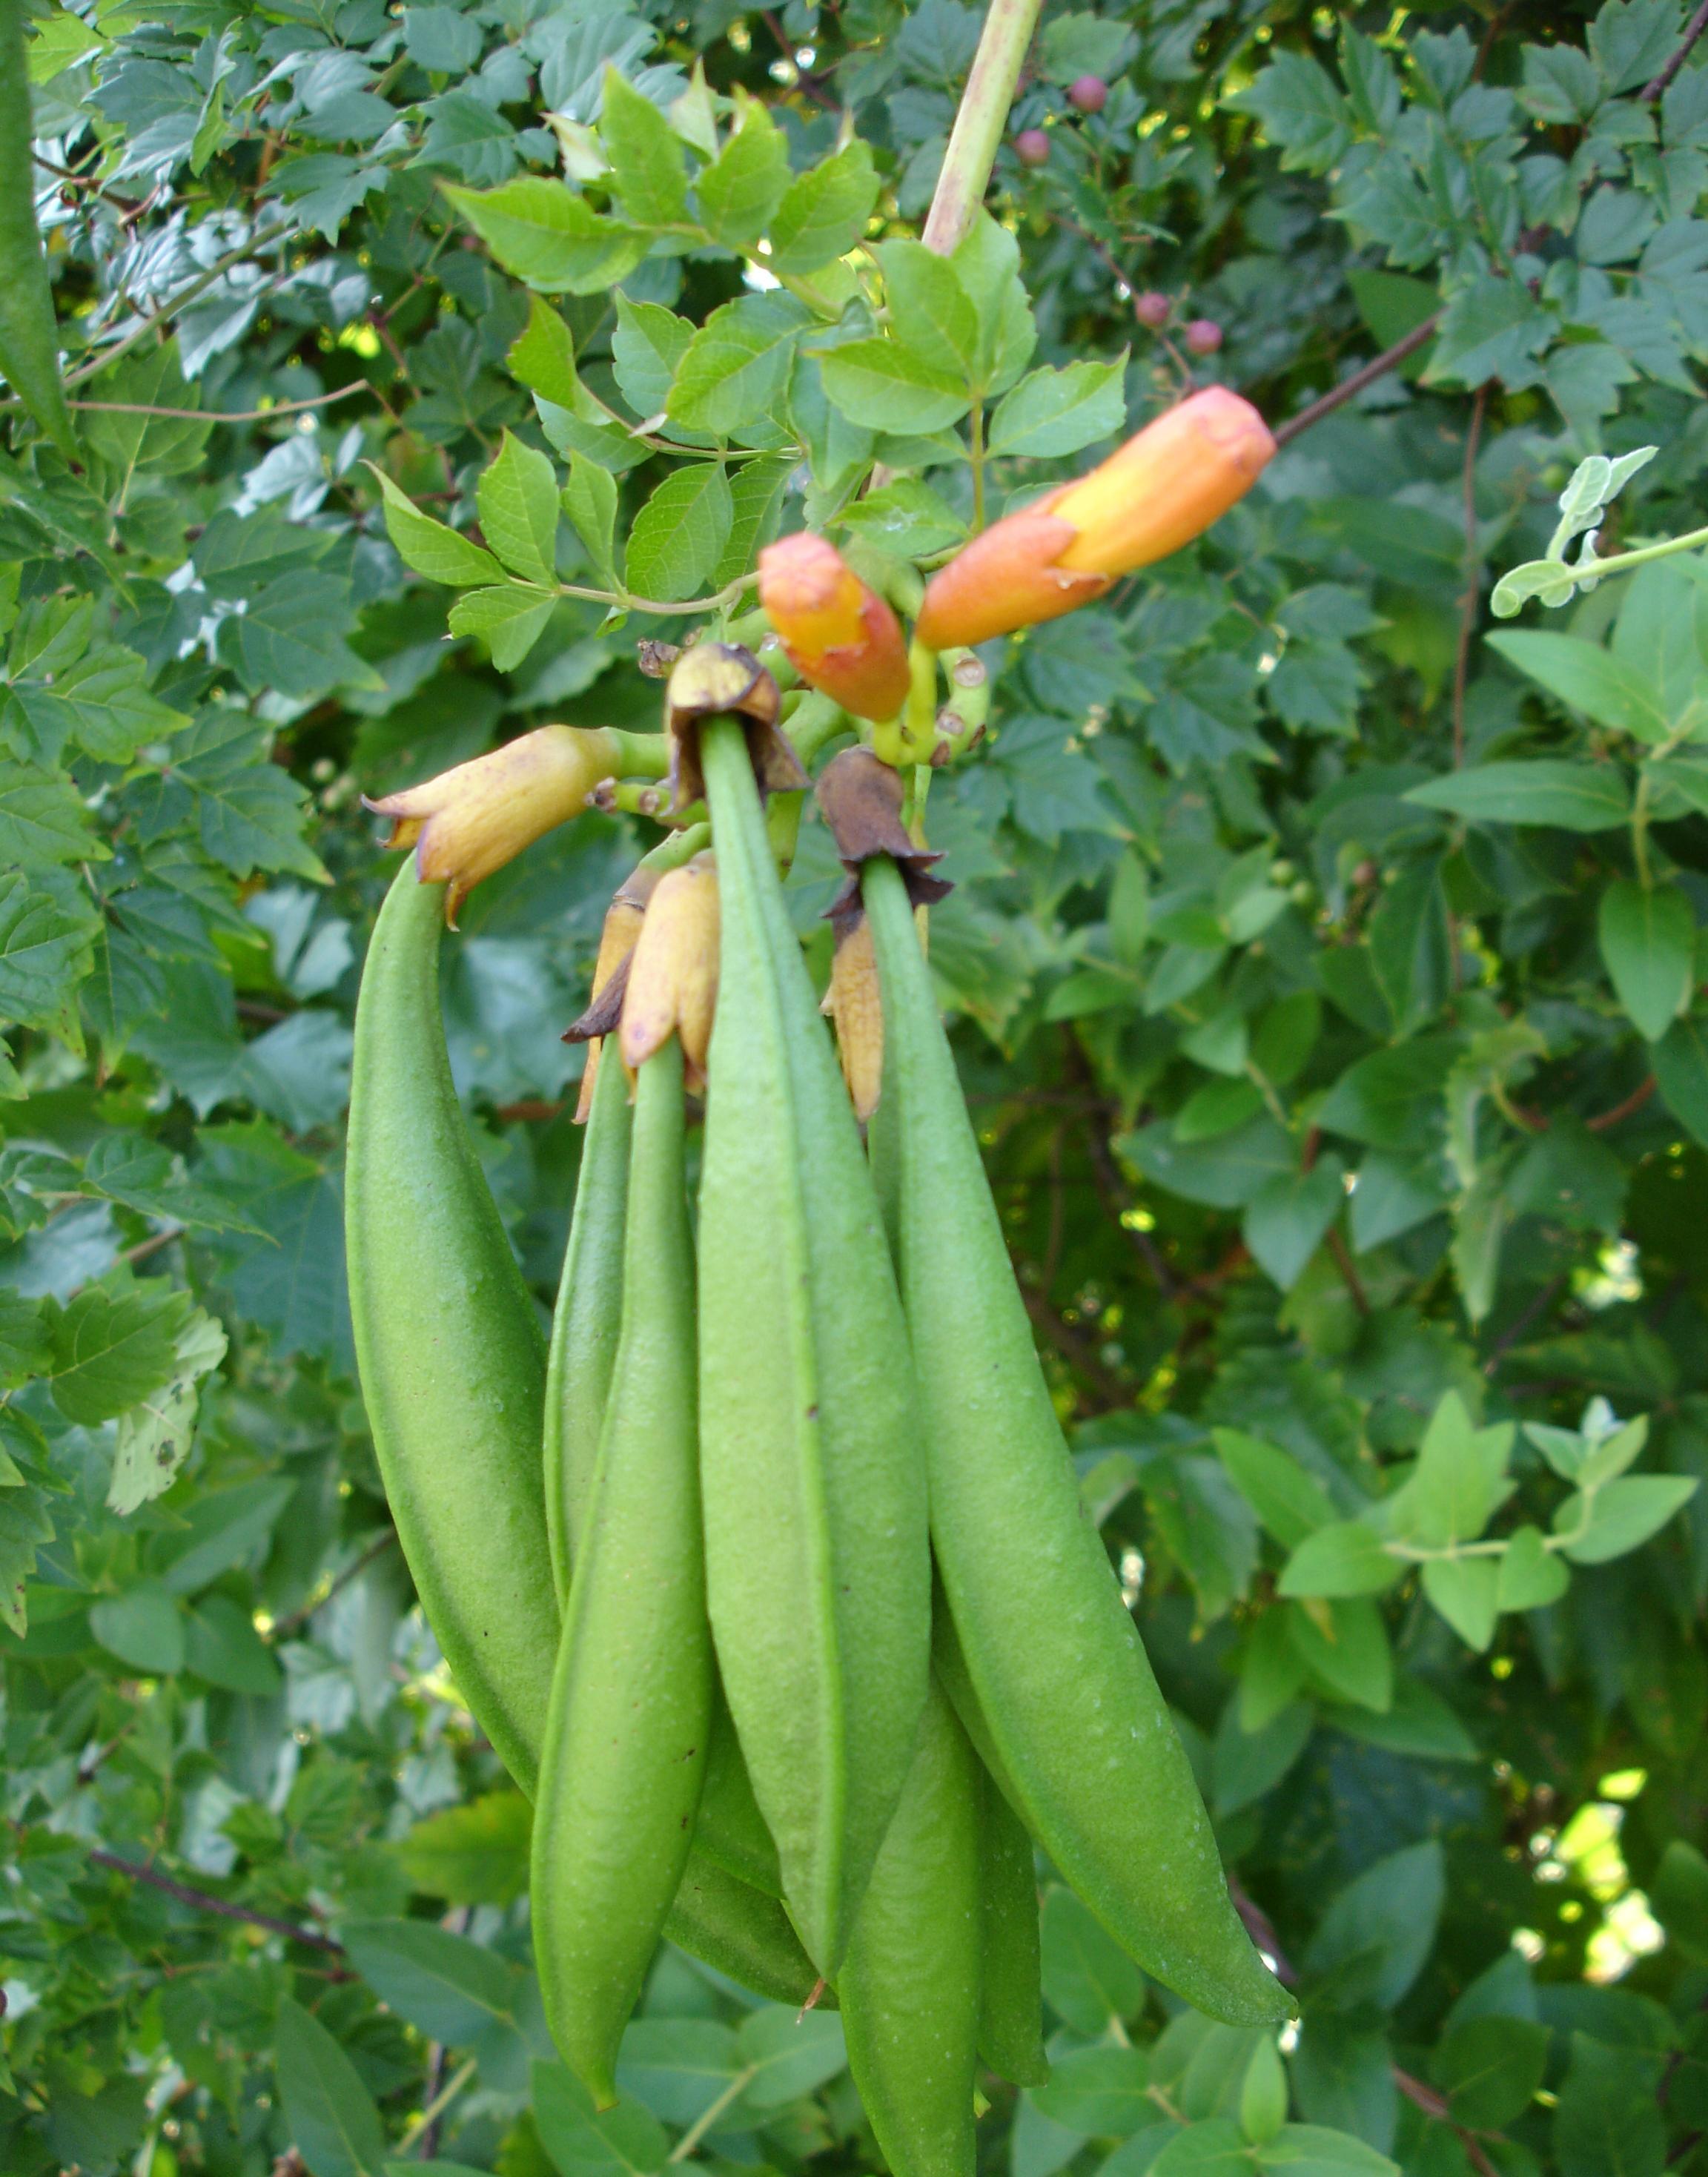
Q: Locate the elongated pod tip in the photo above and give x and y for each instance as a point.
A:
(721, 679)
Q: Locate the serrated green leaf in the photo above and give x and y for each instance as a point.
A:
(542, 355)
(43, 820)
(548, 237)
(735, 368)
(590, 501)
(47, 931)
(509, 620)
(1051, 413)
(824, 211)
(739, 193)
(517, 497)
(930, 312)
(647, 168)
(679, 534)
(885, 387)
(441, 554)
(647, 348)
(110, 1350)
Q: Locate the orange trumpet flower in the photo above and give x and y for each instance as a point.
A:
(1165, 486)
(840, 636)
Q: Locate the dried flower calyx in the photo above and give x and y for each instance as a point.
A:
(861, 799)
(721, 679)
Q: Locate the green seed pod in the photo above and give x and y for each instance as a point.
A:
(588, 1317)
(910, 1981)
(731, 1830)
(29, 338)
(1011, 2025)
(734, 1928)
(631, 1699)
(452, 1370)
(447, 1341)
(817, 1567)
(1011, 2015)
(1061, 1677)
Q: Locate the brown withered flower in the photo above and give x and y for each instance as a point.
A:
(721, 679)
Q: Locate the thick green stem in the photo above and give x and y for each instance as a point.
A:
(680, 847)
(980, 123)
(1640, 832)
(644, 756)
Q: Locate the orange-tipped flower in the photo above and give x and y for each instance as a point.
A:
(839, 635)
(1164, 487)
(672, 977)
(473, 819)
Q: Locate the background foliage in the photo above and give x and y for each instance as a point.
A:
(1327, 972)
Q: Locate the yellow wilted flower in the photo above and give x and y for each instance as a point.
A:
(474, 818)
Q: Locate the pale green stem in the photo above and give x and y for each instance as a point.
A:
(678, 848)
(437, 2106)
(707, 2117)
(1642, 555)
(1640, 832)
(625, 601)
(976, 454)
(645, 756)
(979, 124)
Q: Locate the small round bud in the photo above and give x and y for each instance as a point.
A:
(1089, 93)
(1031, 147)
(1202, 336)
(1152, 309)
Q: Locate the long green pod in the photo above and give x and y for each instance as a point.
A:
(1011, 2024)
(1011, 2011)
(452, 1370)
(447, 1341)
(875, 1474)
(816, 1559)
(730, 1828)
(587, 1320)
(730, 1926)
(28, 338)
(631, 1698)
(1066, 1689)
(910, 1983)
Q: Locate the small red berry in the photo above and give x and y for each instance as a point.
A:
(1202, 336)
(1031, 147)
(1152, 309)
(1089, 93)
